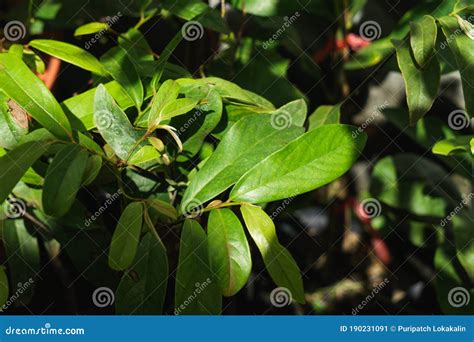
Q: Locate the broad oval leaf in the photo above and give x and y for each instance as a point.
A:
(313, 160)
(229, 252)
(63, 180)
(126, 237)
(196, 290)
(113, 124)
(423, 34)
(29, 92)
(142, 289)
(15, 163)
(278, 261)
(249, 141)
(167, 93)
(69, 53)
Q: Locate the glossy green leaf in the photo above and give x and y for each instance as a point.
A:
(126, 237)
(421, 84)
(248, 141)
(63, 180)
(23, 258)
(302, 165)
(118, 64)
(15, 163)
(30, 93)
(229, 252)
(142, 289)
(423, 34)
(4, 291)
(113, 124)
(178, 107)
(196, 290)
(325, 115)
(167, 93)
(90, 28)
(458, 144)
(463, 49)
(145, 155)
(279, 263)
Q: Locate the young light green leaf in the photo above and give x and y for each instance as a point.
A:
(249, 141)
(118, 64)
(325, 115)
(278, 261)
(113, 124)
(23, 87)
(142, 289)
(69, 53)
(448, 146)
(462, 47)
(293, 113)
(301, 165)
(423, 34)
(90, 28)
(421, 83)
(126, 237)
(15, 163)
(229, 252)
(146, 154)
(63, 180)
(3, 286)
(178, 107)
(167, 93)
(194, 278)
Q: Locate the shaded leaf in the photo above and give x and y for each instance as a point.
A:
(423, 34)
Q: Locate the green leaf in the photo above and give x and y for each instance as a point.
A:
(301, 165)
(23, 258)
(15, 163)
(142, 289)
(423, 36)
(126, 237)
(90, 28)
(293, 113)
(458, 144)
(167, 93)
(136, 45)
(421, 83)
(249, 141)
(3, 286)
(63, 180)
(165, 55)
(229, 252)
(325, 115)
(196, 291)
(145, 155)
(118, 64)
(178, 107)
(279, 263)
(463, 49)
(164, 208)
(93, 167)
(69, 53)
(113, 124)
(30, 93)
(13, 123)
